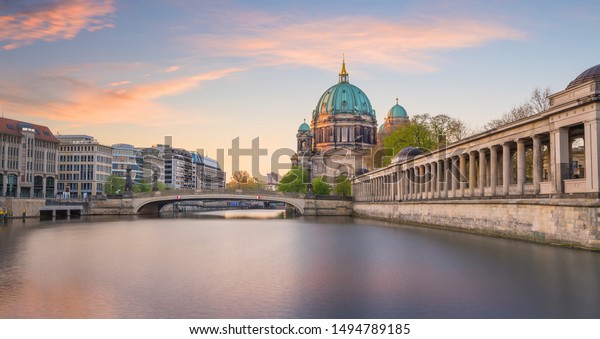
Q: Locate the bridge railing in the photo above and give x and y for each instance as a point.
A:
(256, 192)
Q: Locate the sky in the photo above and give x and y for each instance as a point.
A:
(208, 72)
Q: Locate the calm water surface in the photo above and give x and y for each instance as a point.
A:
(284, 268)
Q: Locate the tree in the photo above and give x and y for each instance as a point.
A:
(114, 185)
(412, 134)
(426, 132)
(141, 187)
(343, 186)
(537, 103)
(294, 181)
(320, 186)
(243, 180)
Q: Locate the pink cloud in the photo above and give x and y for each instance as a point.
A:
(171, 69)
(68, 99)
(405, 45)
(119, 83)
(63, 19)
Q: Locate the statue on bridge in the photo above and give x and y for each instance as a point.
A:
(128, 181)
(155, 179)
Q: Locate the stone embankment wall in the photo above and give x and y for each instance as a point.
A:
(328, 207)
(568, 222)
(16, 206)
(111, 207)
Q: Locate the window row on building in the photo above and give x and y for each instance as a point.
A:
(85, 166)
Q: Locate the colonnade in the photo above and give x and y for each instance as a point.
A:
(524, 167)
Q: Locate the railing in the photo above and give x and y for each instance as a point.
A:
(170, 193)
(65, 202)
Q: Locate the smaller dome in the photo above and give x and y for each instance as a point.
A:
(361, 171)
(381, 128)
(592, 73)
(397, 111)
(408, 153)
(304, 127)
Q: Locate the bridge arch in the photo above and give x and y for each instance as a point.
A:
(147, 205)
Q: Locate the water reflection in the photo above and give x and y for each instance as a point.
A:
(242, 214)
(292, 268)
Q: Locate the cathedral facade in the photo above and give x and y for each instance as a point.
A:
(342, 131)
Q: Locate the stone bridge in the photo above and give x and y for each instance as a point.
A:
(146, 203)
(152, 202)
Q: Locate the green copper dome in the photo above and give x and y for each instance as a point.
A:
(304, 127)
(397, 111)
(344, 98)
(381, 128)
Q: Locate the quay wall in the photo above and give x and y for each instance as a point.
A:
(565, 222)
(17, 205)
(334, 206)
(122, 206)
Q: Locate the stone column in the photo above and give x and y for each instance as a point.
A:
(472, 173)
(482, 165)
(44, 187)
(4, 183)
(506, 169)
(426, 181)
(410, 182)
(537, 163)
(455, 175)
(493, 169)
(440, 177)
(416, 182)
(407, 184)
(373, 189)
(559, 148)
(379, 189)
(398, 185)
(45, 166)
(395, 188)
(592, 155)
(448, 176)
(421, 182)
(463, 172)
(521, 178)
(391, 186)
(431, 180)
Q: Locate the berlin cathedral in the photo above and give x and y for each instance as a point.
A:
(343, 133)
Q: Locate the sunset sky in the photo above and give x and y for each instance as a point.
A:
(206, 72)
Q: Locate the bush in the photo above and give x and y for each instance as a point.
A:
(320, 186)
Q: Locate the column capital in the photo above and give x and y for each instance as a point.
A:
(522, 140)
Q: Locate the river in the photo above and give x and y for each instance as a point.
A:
(196, 267)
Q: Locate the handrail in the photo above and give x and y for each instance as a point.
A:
(257, 192)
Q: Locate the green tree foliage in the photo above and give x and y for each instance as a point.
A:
(243, 180)
(294, 181)
(424, 131)
(320, 186)
(114, 185)
(141, 187)
(343, 186)
(537, 103)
